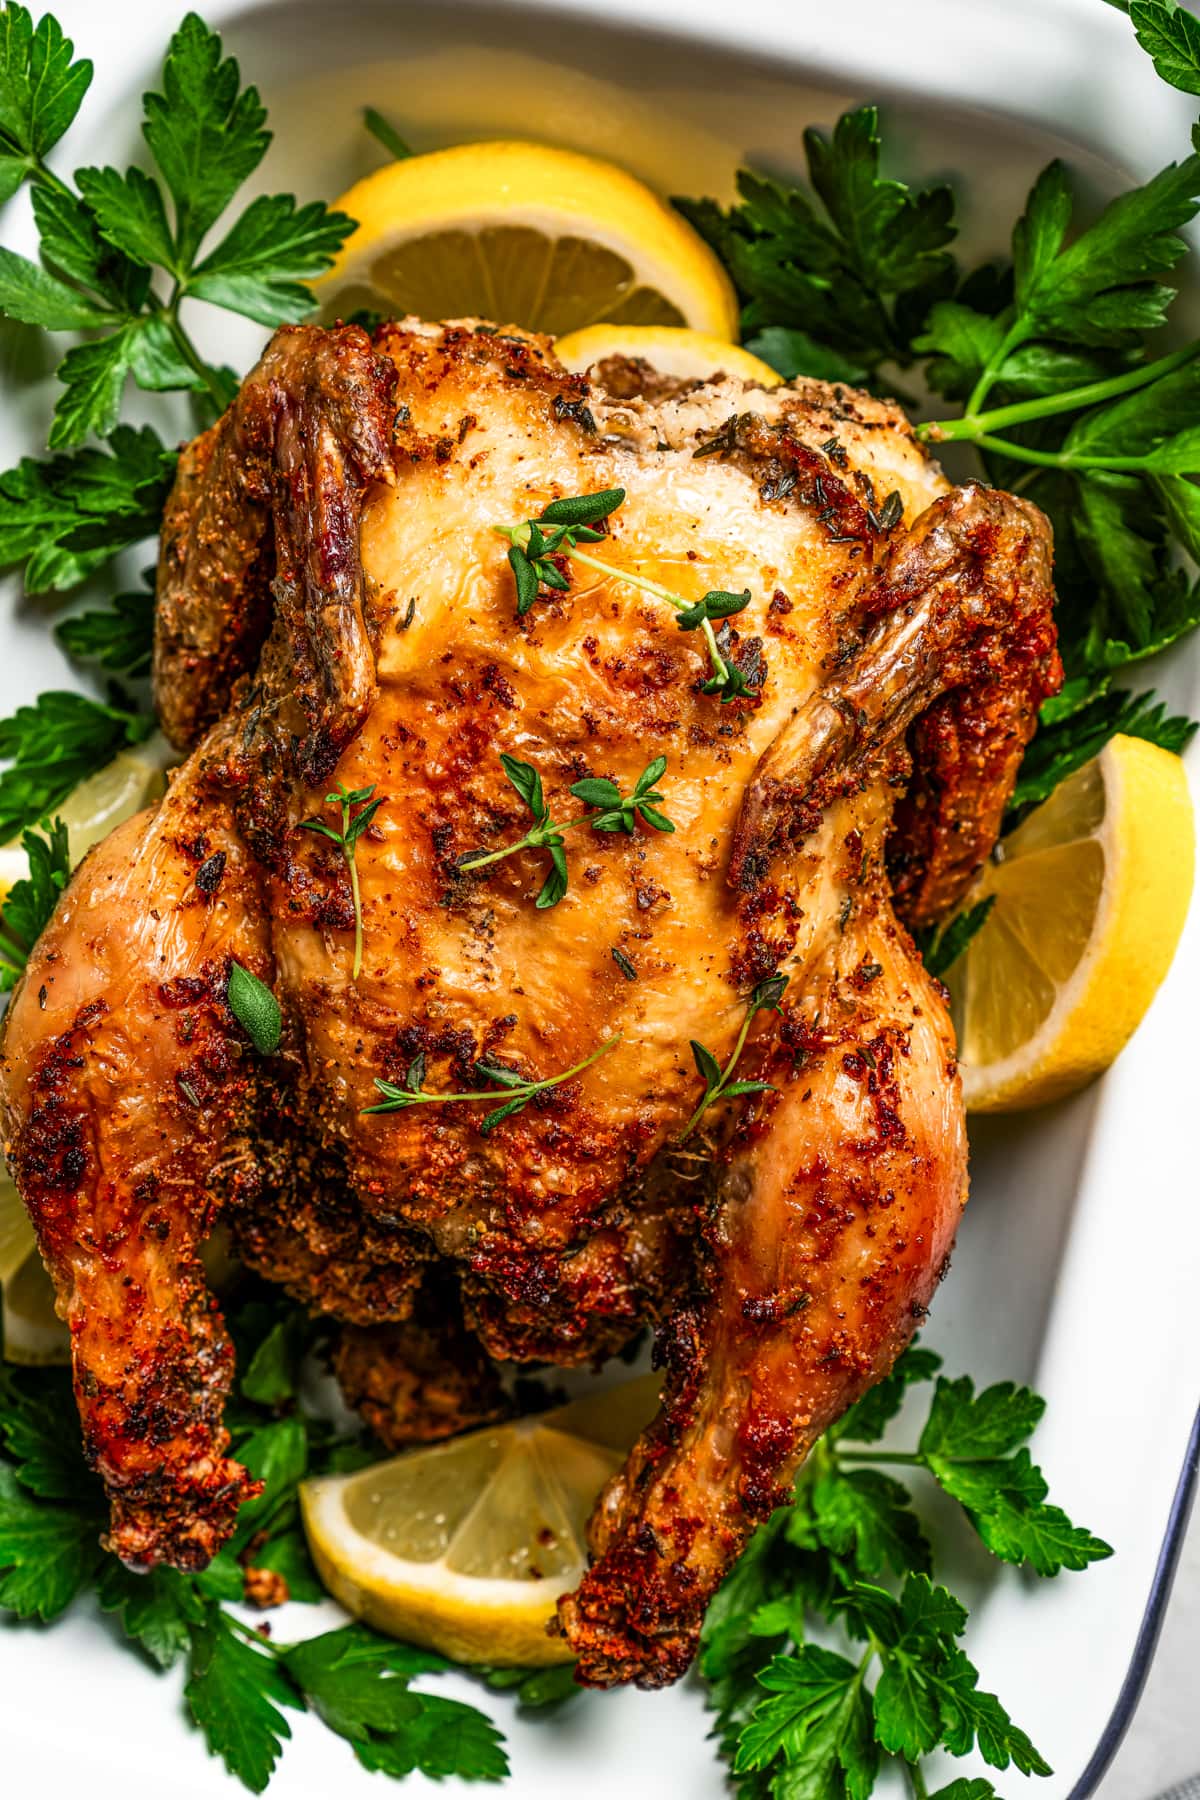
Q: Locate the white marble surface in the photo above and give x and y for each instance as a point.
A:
(1163, 1745)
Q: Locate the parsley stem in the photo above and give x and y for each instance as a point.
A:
(251, 1635)
(916, 1781)
(974, 426)
(1014, 336)
(880, 1456)
(1062, 459)
(191, 355)
(48, 179)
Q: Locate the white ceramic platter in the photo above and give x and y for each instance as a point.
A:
(1077, 1265)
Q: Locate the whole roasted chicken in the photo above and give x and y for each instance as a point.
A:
(337, 615)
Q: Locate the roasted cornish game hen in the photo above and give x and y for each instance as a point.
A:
(335, 608)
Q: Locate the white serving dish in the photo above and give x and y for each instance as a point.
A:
(1077, 1263)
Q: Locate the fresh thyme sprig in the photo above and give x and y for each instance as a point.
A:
(718, 1082)
(617, 812)
(353, 826)
(572, 521)
(520, 1091)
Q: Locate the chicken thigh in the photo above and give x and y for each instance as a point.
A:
(336, 607)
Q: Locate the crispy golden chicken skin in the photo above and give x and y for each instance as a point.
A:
(335, 607)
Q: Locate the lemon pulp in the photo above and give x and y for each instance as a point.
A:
(1089, 895)
(466, 1546)
(523, 234)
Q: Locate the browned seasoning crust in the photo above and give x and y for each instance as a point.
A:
(335, 606)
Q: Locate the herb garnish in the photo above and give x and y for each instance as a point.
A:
(52, 746)
(794, 1717)
(520, 1090)
(386, 134)
(255, 1008)
(718, 1083)
(30, 901)
(616, 812)
(103, 246)
(941, 945)
(1060, 398)
(353, 826)
(52, 1514)
(572, 522)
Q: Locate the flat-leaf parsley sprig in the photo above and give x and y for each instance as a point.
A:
(614, 812)
(121, 252)
(520, 1090)
(1066, 395)
(718, 1082)
(793, 1717)
(557, 533)
(352, 827)
(239, 1686)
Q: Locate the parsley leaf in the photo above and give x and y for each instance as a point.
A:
(970, 1447)
(206, 133)
(358, 1683)
(234, 1694)
(47, 1552)
(30, 901)
(41, 90)
(119, 638)
(853, 280)
(1171, 35)
(942, 945)
(819, 1717)
(865, 1515)
(29, 294)
(273, 248)
(65, 517)
(40, 1435)
(52, 745)
(868, 1419)
(157, 1609)
(1066, 743)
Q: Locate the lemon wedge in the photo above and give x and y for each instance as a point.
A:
(523, 235)
(33, 1331)
(466, 1546)
(673, 350)
(1090, 896)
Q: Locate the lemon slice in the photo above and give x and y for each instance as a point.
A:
(466, 1546)
(523, 235)
(671, 349)
(33, 1332)
(1091, 894)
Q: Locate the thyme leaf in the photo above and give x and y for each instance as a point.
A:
(352, 827)
(518, 1089)
(615, 812)
(718, 1081)
(572, 521)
